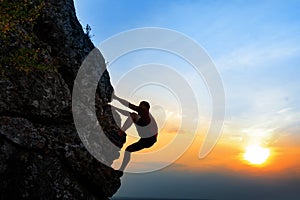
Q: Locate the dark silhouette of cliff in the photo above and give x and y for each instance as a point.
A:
(41, 155)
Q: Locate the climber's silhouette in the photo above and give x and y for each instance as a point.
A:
(145, 125)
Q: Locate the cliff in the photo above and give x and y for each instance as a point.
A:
(41, 154)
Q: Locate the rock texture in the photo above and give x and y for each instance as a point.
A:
(41, 154)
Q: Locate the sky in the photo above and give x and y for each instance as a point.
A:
(255, 46)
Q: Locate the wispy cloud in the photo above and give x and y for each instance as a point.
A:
(258, 55)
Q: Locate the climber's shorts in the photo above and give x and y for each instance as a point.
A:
(142, 143)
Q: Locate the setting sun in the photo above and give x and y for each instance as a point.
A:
(256, 154)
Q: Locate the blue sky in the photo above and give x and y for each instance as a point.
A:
(255, 46)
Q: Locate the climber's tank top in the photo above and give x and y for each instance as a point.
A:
(149, 130)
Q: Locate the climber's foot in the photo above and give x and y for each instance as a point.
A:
(121, 133)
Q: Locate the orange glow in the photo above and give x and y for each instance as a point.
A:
(228, 156)
(231, 155)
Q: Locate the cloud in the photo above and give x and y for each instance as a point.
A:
(258, 55)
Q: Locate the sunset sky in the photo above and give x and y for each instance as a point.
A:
(255, 46)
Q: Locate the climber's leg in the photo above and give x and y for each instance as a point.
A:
(131, 148)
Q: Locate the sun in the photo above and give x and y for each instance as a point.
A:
(256, 155)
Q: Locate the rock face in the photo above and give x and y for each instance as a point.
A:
(41, 154)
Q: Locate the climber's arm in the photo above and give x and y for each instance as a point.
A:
(126, 103)
(123, 112)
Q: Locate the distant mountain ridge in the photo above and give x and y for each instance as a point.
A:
(141, 198)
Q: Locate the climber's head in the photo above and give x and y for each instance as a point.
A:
(144, 105)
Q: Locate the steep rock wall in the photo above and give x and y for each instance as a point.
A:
(41, 155)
